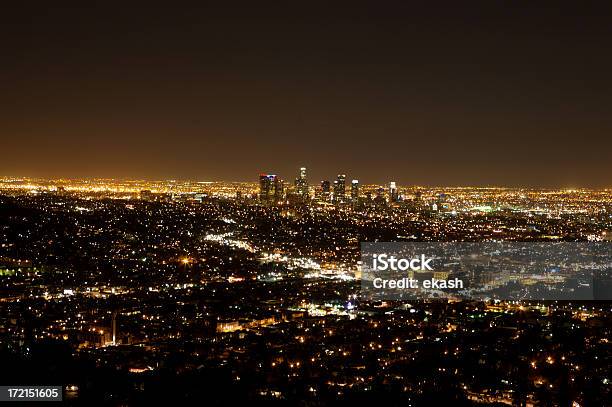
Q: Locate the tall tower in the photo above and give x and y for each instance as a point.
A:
(393, 194)
(325, 190)
(355, 190)
(301, 184)
(267, 187)
(279, 190)
(340, 189)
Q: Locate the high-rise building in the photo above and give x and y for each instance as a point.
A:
(279, 190)
(354, 190)
(340, 189)
(265, 185)
(325, 190)
(301, 184)
(268, 185)
(393, 193)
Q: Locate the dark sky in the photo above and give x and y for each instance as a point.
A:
(488, 93)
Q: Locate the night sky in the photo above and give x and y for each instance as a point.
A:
(488, 93)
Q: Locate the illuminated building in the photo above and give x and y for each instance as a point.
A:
(266, 185)
(325, 190)
(270, 188)
(355, 190)
(393, 195)
(340, 189)
(301, 184)
(279, 190)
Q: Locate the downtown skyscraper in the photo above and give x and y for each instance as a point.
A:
(340, 189)
(270, 188)
(301, 184)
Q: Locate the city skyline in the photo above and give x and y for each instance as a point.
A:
(316, 183)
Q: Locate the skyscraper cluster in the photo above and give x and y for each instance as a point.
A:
(273, 190)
